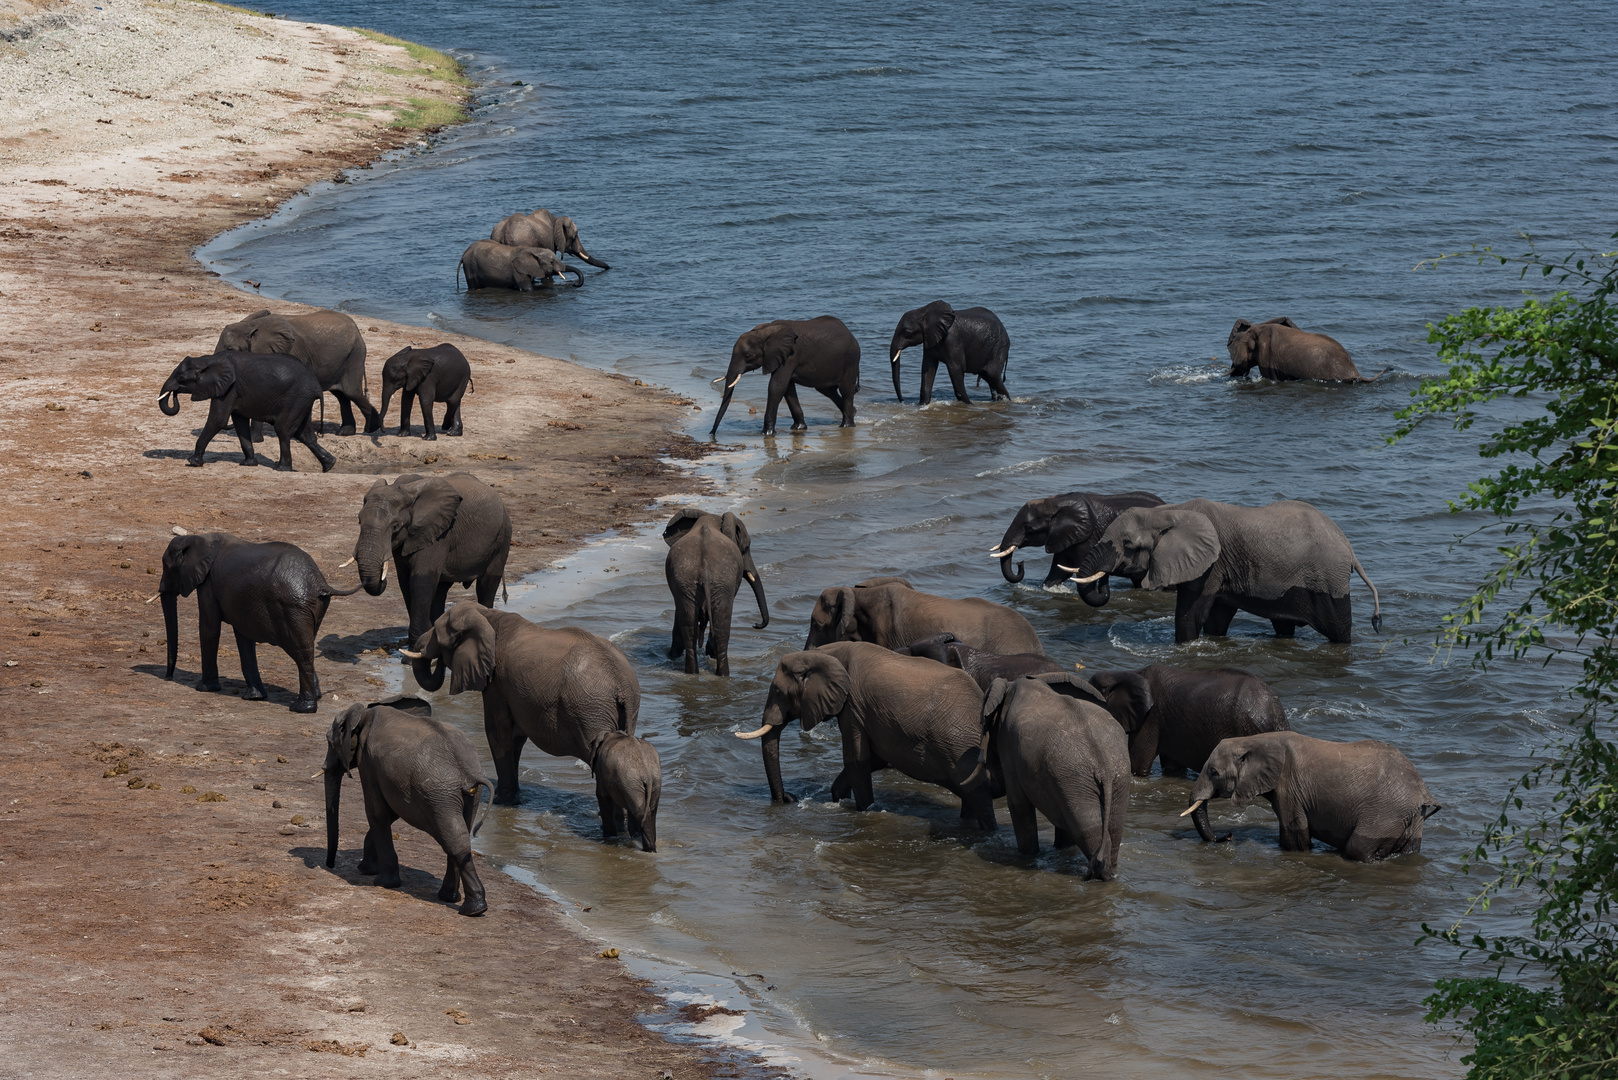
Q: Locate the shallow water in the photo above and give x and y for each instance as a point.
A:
(1119, 184)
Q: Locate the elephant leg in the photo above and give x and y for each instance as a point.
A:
(608, 809)
(1219, 617)
(505, 745)
(796, 408)
(978, 806)
(929, 372)
(1171, 769)
(772, 404)
(419, 596)
(258, 431)
(368, 856)
(1064, 840)
(459, 850)
(488, 587)
(217, 415)
(452, 416)
(1363, 848)
(997, 385)
(346, 406)
(450, 891)
(405, 403)
(247, 649)
(284, 464)
(1192, 605)
(833, 395)
(208, 621)
(857, 766)
(426, 399)
(440, 600)
(244, 435)
(1023, 822)
(1284, 627)
(1333, 616)
(1294, 824)
(719, 636)
(381, 818)
(957, 379)
(307, 437)
(303, 655)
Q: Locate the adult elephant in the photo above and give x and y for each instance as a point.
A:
(1066, 526)
(438, 374)
(488, 265)
(899, 712)
(565, 689)
(542, 229)
(1363, 798)
(1280, 350)
(819, 353)
(709, 557)
(984, 667)
(1285, 562)
(439, 530)
(241, 388)
(327, 342)
(972, 341)
(891, 613)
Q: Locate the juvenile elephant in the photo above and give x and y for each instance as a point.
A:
(708, 559)
(1280, 350)
(326, 342)
(488, 265)
(542, 229)
(439, 530)
(1067, 525)
(440, 373)
(1058, 752)
(971, 341)
(565, 689)
(984, 667)
(243, 387)
(1363, 798)
(272, 593)
(891, 613)
(818, 353)
(416, 768)
(899, 712)
(629, 784)
(1285, 562)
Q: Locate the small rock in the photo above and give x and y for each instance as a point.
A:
(288, 830)
(211, 796)
(188, 790)
(261, 787)
(136, 782)
(276, 805)
(11, 663)
(399, 1039)
(178, 530)
(297, 819)
(281, 759)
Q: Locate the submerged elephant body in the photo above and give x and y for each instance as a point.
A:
(983, 666)
(241, 388)
(1067, 526)
(970, 341)
(890, 612)
(438, 374)
(1281, 350)
(819, 353)
(328, 343)
(545, 230)
(488, 265)
(709, 557)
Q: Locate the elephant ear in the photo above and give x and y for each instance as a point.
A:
(940, 317)
(559, 233)
(1128, 696)
(1069, 685)
(214, 381)
(842, 611)
(732, 526)
(418, 368)
(779, 348)
(342, 741)
(1258, 770)
(472, 663)
(432, 513)
(1072, 525)
(871, 583)
(680, 524)
(994, 701)
(407, 704)
(1242, 326)
(823, 688)
(189, 559)
(1187, 544)
(272, 334)
(1282, 321)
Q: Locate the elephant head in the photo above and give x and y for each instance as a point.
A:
(1240, 768)
(260, 332)
(936, 648)
(1002, 693)
(808, 687)
(565, 238)
(404, 370)
(186, 565)
(922, 326)
(1249, 344)
(203, 377)
(400, 519)
(461, 638)
(1167, 544)
(768, 346)
(1056, 524)
(1128, 696)
(736, 533)
(852, 614)
(542, 266)
(343, 744)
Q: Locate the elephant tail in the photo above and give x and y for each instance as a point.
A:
(1376, 616)
(1378, 375)
(483, 804)
(623, 714)
(505, 597)
(470, 387)
(1101, 866)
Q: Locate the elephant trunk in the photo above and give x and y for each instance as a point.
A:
(731, 376)
(389, 388)
(171, 625)
(1006, 571)
(334, 791)
(169, 402)
(751, 573)
(898, 391)
(772, 763)
(597, 263)
(566, 270)
(1090, 577)
(371, 553)
(429, 672)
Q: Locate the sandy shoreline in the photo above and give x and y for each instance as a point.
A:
(179, 937)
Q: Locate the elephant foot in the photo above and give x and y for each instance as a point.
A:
(475, 905)
(450, 896)
(209, 686)
(366, 867)
(279, 466)
(194, 462)
(373, 426)
(305, 705)
(800, 427)
(505, 798)
(766, 431)
(430, 438)
(326, 463)
(250, 461)
(786, 798)
(404, 431)
(457, 432)
(254, 693)
(389, 881)
(346, 429)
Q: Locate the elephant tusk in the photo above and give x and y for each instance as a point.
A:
(318, 775)
(384, 571)
(732, 384)
(162, 397)
(1193, 807)
(718, 380)
(408, 655)
(753, 734)
(154, 596)
(1097, 576)
(998, 554)
(895, 359)
(350, 562)
(749, 577)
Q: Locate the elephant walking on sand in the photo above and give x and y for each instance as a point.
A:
(1282, 351)
(892, 613)
(709, 557)
(1066, 525)
(416, 768)
(542, 229)
(971, 341)
(488, 265)
(818, 353)
(244, 387)
(438, 374)
(326, 342)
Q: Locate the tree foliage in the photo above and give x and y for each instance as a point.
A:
(1550, 1008)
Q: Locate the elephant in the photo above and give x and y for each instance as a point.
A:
(1066, 525)
(984, 667)
(488, 265)
(972, 341)
(1285, 562)
(708, 559)
(439, 530)
(891, 613)
(270, 592)
(565, 689)
(1282, 351)
(243, 387)
(416, 768)
(629, 783)
(901, 712)
(1059, 752)
(1363, 798)
(818, 353)
(542, 229)
(327, 342)
(440, 373)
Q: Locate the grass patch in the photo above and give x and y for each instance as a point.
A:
(435, 64)
(429, 114)
(234, 7)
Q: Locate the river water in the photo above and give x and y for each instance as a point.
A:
(1119, 182)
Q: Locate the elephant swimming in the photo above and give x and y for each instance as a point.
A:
(709, 557)
(243, 387)
(1282, 351)
(488, 265)
(542, 229)
(328, 343)
(892, 613)
(440, 373)
(819, 353)
(971, 341)
(1066, 525)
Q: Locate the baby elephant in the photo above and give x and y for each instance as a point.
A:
(1363, 798)
(440, 373)
(982, 665)
(411, 767)
(629, 782)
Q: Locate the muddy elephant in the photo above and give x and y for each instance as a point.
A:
(1363, 798)
(899, 712)
(971, 341)
(327, 342)
(241, 388)
(565, 689)
(984, 667)
(709, 557)
(271, 593)
(1280, 350)
(890, 612)
(819, 353)
(415, 768)
(439, 530)
(488, 265)
(629, 785)
(438, 374)
(1066, 525)
(542, 229)
(1285, 562)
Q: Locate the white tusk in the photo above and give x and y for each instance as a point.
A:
(732, 384)
(718, 380)
(749, 576)
(895, 359)
(318, 775)
(998, 554)
(1081, 580)
(154, 596)
(350, 562)
(1193, 807)
(753, 734)
(384, 571)
(162, 397)
(408, 655)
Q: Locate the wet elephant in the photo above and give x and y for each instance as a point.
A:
(818, 353)
(1066, 526)
(1281, 350)
(328, 343)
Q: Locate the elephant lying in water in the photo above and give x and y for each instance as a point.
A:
(1282, 351)
(971, 341)
(1067, 525)
(890, 612)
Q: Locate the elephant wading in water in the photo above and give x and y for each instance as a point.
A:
(1363, 798)
(326, 342)
(818, 353)
(1285, 562)
(272, 593)
(709, 557)
(629, 785)
(898, 712)
(488, 265)
(416, 768)
(984, 667)
(440, 373)
(439, 530)
(1067, 525)
(565, 689)
(542, 229)
(1280, 350)
(891, 613)
(971, 341)
(243, 387)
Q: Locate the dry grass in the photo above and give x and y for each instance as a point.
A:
(433, 63)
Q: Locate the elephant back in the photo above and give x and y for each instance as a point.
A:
(1283, 546)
